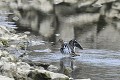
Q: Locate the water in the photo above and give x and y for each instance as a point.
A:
(96, 64)
(92, 63)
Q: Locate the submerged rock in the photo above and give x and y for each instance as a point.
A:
(53, 68)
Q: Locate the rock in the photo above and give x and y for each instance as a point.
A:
(53, 68)
(13, 46)
(42, 5)
(27, 32)
(6, 59)
(81, 19)
(4, 42)
(99, 3)
(44, 65)
(6, 34)
(5, 78)
(47, 75)
(3, 53)
(39, 67)
(12, 58)
(23, 66)
(3, 29)
(57, 1)
(22, 74)
(71, 1)
(56, 76)
(17, 37)
(46, 6)
(84, 3)
(23, 71)
(8, 69)
(66, 1)
(113, 13)
(83, 79)
(116, 5)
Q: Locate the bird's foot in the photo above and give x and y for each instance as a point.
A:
(74, 54)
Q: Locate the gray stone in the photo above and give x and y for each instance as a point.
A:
(116, 5)
(5, 78)
(99, 3)
(84, 3)
(53, 68)
(8, 69)
(83, 79)
(57, 1)
(53, 76)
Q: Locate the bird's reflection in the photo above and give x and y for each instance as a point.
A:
(67, 66)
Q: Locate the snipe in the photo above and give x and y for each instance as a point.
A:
(69, 48)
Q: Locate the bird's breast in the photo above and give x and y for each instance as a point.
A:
(67, 49)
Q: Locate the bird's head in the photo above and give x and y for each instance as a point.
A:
(61, 41)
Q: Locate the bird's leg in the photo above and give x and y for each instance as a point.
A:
(74, 54)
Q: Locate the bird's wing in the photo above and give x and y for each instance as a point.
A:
(78, 45)
(71, 48)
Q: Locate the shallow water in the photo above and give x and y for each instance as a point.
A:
(92, 63)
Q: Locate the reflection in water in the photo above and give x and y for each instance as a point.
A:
(66, 66)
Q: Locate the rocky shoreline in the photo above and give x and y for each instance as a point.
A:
(14, 67)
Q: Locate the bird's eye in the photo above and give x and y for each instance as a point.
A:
(74, 40)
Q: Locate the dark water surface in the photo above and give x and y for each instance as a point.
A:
(92, 63)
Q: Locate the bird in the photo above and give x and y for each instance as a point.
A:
(69, 48)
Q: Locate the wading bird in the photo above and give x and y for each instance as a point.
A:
(69, 48)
